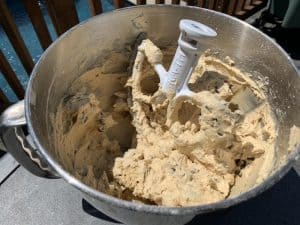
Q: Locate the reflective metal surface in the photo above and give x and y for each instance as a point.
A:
(87, 46)
(13, 116)
(16, 143)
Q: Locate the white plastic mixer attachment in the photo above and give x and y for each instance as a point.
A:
(174, 82)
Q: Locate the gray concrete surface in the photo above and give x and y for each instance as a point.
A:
(29, 200)
(7, 165)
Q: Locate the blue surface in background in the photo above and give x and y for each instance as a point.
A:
(19, 14)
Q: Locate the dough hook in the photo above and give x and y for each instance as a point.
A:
(175, 81)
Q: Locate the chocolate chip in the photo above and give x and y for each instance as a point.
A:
(233, 107)
(82, 171)
(240, 163)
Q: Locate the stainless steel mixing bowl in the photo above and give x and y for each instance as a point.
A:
(88, 44)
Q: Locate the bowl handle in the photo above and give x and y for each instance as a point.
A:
(20, 146)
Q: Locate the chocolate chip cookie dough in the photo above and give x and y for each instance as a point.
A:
(123, 136)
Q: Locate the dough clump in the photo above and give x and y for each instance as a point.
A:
(147, 147)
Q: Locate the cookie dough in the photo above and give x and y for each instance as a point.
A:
(125, 137)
